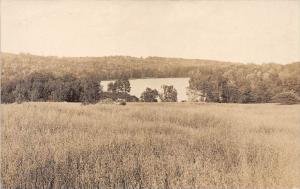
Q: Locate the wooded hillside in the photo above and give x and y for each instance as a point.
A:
(247, 83)
(111, 67)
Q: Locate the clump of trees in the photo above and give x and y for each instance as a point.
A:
(288, 97)
(119, 86)
(46, 87)
(245, 83)
(169, 94)
(67, 88)
(119, 89)
(149, 95)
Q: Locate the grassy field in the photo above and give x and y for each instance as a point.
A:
(65, 145)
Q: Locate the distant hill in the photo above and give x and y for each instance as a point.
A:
(110, 67)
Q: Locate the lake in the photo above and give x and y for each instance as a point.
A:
(139, 85)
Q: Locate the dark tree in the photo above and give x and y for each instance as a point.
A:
(149, 95)
(21, 93)
(111, 87)
(122, 86)
(247, 95)
(8, 94)
(169, 94)
(90, 90)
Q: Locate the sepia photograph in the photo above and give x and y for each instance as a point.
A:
(150, 94)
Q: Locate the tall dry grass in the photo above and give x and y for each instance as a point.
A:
(62, 145)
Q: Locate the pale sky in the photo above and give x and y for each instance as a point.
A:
(238, 31)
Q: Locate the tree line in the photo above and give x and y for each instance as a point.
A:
(46, 87)
(226, 85)
(247, 83)
(42, 87)
(213, 81)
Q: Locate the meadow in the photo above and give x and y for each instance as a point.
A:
(158, 145)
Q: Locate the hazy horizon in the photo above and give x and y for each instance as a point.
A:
(233, 31)
(144, 57)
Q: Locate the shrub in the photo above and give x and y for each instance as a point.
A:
(106, 101)
(116, 96)
(121, 102)
(289, 97)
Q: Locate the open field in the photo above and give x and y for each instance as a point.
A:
(163, 145)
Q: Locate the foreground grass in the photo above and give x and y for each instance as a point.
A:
(61, 145)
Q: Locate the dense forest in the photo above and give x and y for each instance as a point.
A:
(247, 83)
(46, 87)
(36, 78)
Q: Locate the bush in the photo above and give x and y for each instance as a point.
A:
(289, 97)
(121, 102)
(106, 101)
(115, 96)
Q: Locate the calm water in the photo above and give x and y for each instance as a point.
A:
(139, 85)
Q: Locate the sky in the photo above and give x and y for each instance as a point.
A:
(237, 31)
